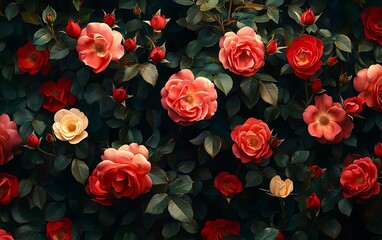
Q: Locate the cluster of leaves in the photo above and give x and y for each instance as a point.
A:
(185, 159)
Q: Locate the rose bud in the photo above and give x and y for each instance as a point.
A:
(109, 19)
(130, 44)
(73, 30)
(228, 184)
(137, 10)
(275, 142)
(316, 85)
(344, 78)
(157, 55)
(332, 60)
(315, 171)
(378, 149)
(280, 236)
(314, 202)
(119, 94)
(32, 141)
(272, 47)
(50, 138)
(353, 106)
(158, 22)
(307, 17)
(49, 18)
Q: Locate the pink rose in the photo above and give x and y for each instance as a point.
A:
(122, 173)
(9, 138)
(327, 121)
(4, 235)
(243, 53)
(369, 83)
(189, 100)
(98, 44)
(251, 141)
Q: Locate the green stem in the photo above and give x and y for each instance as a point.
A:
(282, 206)
(306, 93)
(45, 152)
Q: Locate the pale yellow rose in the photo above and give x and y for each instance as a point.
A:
(280, 188)
(70, 125)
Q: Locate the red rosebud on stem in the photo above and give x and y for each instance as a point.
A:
(109, 19)
(308, 17)
(280, 236)
(32, 141)
(158, 22)
(316, 85)
(137, 10)
(50, 138)
(272, 47)
(378, 149)
(315, 171)
(130, 44)
(332, 60)
(314, 202)
(157, 55)
(119, 94)
(73, 30)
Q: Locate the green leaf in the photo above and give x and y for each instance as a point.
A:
(55, 211)
(332, 228)
(294, 11)
(157, 204)
(233, 106)
(39, 196)
(93, 93)
(212, 145)
(253, 178)
(194, 15)
(149, 73)
(269, 92)
(281, 160)
(185, 166)
(300, 156)
(30, 17)
(249, 86)
(267, 234)
(345, 206)
(130, 72)
(59, 51)
(34, 100)
(223, 82)
(181, 185)
(208, 37)
(158, 176)
(51, 11)
(83, 75)
(343, 42)
(180, 210)
(133, 25)
(38, 126)
(274, 3)
(198, 140)
(127, 4)
(273, 13)
(61, 162)
(208, 5)
(365, 45)
(41, 37)
(77, 4)
(184, 2)
(193, 48)
(22, 116)
(25, 187)
(191, 227)
(265, 77)
(80, 170)
(170, 229)
(11, 11)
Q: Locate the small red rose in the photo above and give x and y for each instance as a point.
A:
(219, 228)
(119, 94)
(130, 44)
(315, 171)
(57, 95)
(308, 17)
(73, 30)
(157, 55)
(9, 186)
(353, 106)
(316, 85)
(314, 202)
(332, 61)
(61, 229)
(272, 47)
(158, 22)
(378, 150)
(109, 19)
(32, 141)
(228, 184)
(32, 61)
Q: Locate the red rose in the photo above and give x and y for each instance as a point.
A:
(251, 141)
(219, 228)
(59, 230)
(271, 47)
(157, 54)
(316, 85)
(332, 60)
(31, 60)
(280, 236)
(9, 186)
(5, 235)
(73, 30)
(10, 138)
(359, 179)
(119, 94)
(353, 106)
(315, 171)
(314, 202)
(371, 18)
(122, 173)
(32, 141)
(304, 56)
(227, 184)
(378, 150)
(158, 22)
(109, 19)
(57, 95)
(130, 44)
(307, 17)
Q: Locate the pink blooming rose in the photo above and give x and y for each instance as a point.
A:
(189, 100)
(122, 173)
(98, 44)
(369, 83)
(251, 141)
(327, 121)
(243, 53)
(9, 138)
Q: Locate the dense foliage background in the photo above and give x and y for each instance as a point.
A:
(186, 159)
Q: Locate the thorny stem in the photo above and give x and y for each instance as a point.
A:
(51, 30)
(230, 10)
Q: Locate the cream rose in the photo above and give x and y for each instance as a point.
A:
(70, 125)
(280, 188)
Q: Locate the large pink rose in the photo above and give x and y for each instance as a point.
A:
(242, 53)
(251, 141)
(9, 138)
(122, 173)
(189, 100)
(369, 83)
(327, 121)
(98, 44)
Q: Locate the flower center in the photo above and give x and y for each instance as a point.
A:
(324, 120)
(360, 180)
(33, 57)
(71, 127)
(59, 234)
(302, 57)
(253, 141)
(99, 48)
(189, 99)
